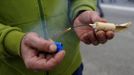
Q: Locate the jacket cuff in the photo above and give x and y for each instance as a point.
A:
(12, 42)
(81, 6)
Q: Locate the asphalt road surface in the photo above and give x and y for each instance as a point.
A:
(116, 57)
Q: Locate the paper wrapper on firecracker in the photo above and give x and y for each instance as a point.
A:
(110, 26)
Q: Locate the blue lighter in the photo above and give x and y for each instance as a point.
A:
(59, 46)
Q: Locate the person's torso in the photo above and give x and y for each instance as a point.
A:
(33, 15)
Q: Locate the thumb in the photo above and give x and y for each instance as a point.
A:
(97, 18)
(102, 20)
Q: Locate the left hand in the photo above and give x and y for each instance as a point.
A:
(87, 33)
(34, 52)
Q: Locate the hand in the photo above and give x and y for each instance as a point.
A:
(33, 49)
(86, 33)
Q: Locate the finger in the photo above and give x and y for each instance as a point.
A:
(37, 63)
(92, 37)
(109, 35)
(40, 63)
(85, 38)
(40, 44)
(97, 18)
(89, 37)
(33, 60)
(52, 62)
(102, 20)
(51, 40)
(59, 56)
(101, 37)
(27, 52)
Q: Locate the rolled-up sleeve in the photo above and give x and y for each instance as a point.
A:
(10, 40)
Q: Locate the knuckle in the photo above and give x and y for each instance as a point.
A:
(91, 32)
(84, 36)
(45, 45)
(25, 39)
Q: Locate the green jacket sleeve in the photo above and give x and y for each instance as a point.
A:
(78, 5)
(10, 38)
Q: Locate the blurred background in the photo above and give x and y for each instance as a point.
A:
(116, 57)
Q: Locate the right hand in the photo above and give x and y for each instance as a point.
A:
(86, 33)
(31, 47)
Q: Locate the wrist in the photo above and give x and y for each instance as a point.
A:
(78, 15)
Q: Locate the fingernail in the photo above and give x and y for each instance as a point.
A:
(53, 48)
(51, 40)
